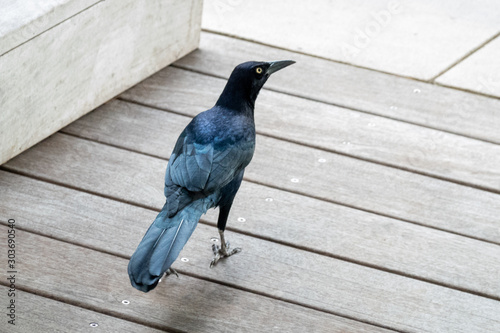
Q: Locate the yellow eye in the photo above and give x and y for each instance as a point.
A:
(259, 70)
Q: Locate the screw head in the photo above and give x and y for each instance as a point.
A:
(184, 259)
(241, 219)
(93, 324)
(126, 302)
(294, 180)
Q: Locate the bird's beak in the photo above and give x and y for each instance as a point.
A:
(275, 66)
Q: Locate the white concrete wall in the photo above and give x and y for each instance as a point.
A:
(83, 60)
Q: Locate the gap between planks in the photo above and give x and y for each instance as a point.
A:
(228, 35)
(82, 305)
(38, 306)
(431, 81)
(340, 105)
(333, 151)
(250, 234)
(187, 63)
(469, 91)
(199, 277)
(206, 234)
(312, 307)
(279, 188)
(193, 275)
(46, 295)
(305, 194)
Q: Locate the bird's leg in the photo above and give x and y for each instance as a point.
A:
(223, 251)
(227, 195)
(169, 272)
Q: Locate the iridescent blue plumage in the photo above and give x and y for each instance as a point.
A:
(205, 170)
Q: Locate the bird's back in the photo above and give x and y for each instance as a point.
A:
(213, 148)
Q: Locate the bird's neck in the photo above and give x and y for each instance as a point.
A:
(237, 98)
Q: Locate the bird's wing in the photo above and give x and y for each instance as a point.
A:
(227, 163)
(190, 167)
(202, 168)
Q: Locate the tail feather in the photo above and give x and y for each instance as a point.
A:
(160, 246)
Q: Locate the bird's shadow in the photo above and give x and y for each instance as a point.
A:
(190, 304)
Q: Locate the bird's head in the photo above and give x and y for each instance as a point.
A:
(245, 82)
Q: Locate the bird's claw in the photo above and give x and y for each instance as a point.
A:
(222, 252)
(169, 272)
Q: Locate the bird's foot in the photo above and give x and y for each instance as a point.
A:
(169, 272)
(223, 251)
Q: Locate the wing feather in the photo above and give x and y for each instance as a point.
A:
(198, 169)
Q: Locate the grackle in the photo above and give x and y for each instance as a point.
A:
(204, 171)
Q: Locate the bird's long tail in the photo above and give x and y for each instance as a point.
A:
(160, 246)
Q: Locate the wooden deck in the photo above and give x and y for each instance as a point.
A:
(371, 205)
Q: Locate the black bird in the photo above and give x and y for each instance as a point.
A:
(204, 171)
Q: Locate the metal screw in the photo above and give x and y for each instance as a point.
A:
(126, 302)
(321, 160)
(184, 259)
(269, 199)
(94, 324)
(416, 91)
(241, 219)
(294, 180)
(214, 240)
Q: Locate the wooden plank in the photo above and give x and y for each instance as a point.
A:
(368, 91)
(369, 137)
(480, 72)
(39, 314)
(87, 60)
(23, 20)
(99, 281)
(417, 39)
(355, 183)
(356, 236)
(278, 271)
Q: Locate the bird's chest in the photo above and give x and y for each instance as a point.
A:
(231, 131)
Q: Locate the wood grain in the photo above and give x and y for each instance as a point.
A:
(87, 60)
(331, 250)
(289, 218)
(40, 314)
(100, 282)
(351, 182)
(374, 138)
(263, 267)
(368, 91)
